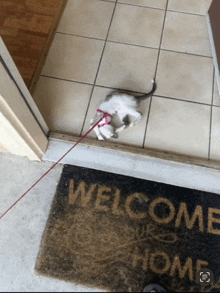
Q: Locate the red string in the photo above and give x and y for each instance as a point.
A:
(53, 166)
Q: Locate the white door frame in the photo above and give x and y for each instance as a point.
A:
(23, 130)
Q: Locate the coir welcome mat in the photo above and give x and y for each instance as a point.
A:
(118, 233)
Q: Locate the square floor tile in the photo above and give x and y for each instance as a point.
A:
(186, 33)
(216, 95)
(130, 136)
(191, 6)
(73, 58)
(89, 18)
(63, 104)
(179, 127)
(186, 77)
(148, 3)
(137, 25)
(215, 134)
(127, 67)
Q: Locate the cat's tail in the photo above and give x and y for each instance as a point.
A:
(145, 96)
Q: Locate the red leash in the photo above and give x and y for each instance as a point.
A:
(53, 166)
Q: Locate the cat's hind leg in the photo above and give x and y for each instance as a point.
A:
(137, 116)
(126, 122)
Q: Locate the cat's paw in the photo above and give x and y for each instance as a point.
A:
(100, 138)
(120, 128)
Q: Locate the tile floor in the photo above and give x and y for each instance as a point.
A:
(101, 45)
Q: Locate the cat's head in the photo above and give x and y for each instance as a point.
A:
(107, 131)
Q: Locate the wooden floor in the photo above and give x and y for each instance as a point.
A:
(26, 27)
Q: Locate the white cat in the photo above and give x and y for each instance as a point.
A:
(122, 104)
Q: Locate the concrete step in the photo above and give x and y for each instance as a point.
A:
(136, 162)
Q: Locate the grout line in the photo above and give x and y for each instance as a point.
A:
(181, 100)
(158, 57)
(108, 41)
(113, 13)
(213, 85)
(142, 6)
(161, 49)
(157, 8)
(135, 45)
(107, 1)
(130, 4)
(184, 12)
(210, 132)
(85, 37)
(64, 79)
(130, 91)
(159, 96)
(197, 55)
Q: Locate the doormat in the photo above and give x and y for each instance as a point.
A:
(119, 233)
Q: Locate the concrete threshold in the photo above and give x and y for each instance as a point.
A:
(189, 172)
